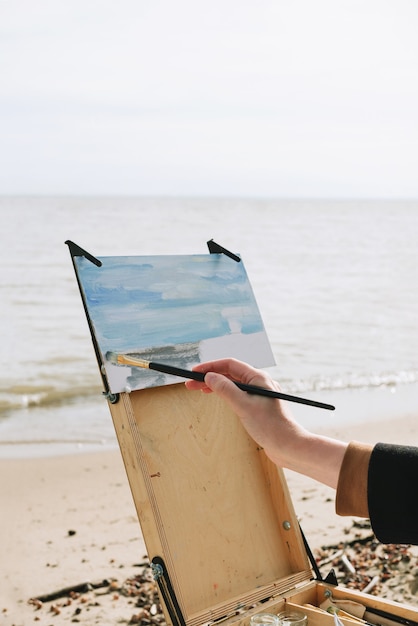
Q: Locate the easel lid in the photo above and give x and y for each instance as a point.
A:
(213, 509)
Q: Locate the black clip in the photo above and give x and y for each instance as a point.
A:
(75, 250)
(215, 248)
(331, 578)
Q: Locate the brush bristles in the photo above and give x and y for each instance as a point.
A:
(123, 359)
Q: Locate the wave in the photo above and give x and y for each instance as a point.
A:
(32, 397)
(349, 381)
(79, 441)
(19, 397)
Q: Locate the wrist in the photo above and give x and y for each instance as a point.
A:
(318, 457)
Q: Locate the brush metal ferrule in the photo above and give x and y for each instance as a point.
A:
(123, 359)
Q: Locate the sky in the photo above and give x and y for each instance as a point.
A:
(265, 98)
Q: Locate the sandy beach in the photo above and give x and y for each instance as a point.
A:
(71, 519)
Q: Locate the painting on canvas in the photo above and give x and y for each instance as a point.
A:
(176, 309)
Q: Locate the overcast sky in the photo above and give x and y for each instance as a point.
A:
(299, 98)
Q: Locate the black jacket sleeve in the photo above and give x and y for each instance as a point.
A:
(392, 493)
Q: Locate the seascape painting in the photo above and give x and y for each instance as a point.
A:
(178, 310)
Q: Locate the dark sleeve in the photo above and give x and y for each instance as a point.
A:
(392, 493)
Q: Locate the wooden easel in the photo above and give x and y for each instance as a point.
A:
(213, 509)
(216, 515)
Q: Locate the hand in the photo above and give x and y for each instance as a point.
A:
(267, 420)
(270, 422)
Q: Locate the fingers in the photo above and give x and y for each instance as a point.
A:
(194, 385)
(225, 388)
(268, 421)
(235, 370)
(231, 368)
(220, 376)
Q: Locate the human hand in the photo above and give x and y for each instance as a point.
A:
(268, 421)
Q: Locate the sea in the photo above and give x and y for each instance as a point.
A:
(336, 282)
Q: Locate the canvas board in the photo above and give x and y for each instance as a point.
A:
(174, 309)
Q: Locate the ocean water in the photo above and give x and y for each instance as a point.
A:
(336, 283)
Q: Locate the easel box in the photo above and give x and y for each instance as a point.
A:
(216, 514)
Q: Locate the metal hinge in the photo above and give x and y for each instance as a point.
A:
(162, 578)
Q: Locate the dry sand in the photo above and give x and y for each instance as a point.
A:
(71, 519)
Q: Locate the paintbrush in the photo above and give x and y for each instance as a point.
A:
(123, 359)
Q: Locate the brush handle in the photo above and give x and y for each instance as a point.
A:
(177, 371)
(259, 391)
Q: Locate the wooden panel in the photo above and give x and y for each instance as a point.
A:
(208, 500)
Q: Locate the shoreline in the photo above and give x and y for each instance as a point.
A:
(20, 435)
(69, 519)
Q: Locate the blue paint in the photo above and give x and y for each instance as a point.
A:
(149, 303)
(136, 304)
